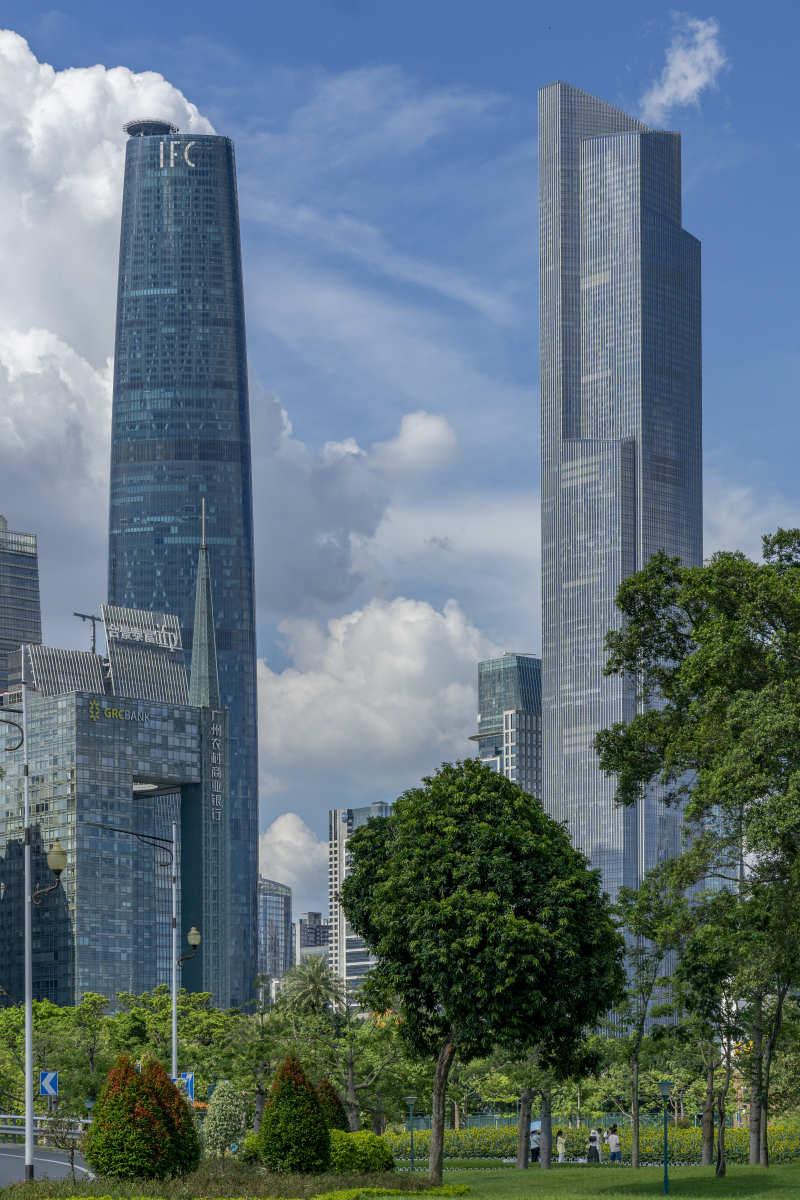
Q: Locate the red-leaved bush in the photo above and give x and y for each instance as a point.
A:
(142, 1126)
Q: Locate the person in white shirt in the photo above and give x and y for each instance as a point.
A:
(613, 1144)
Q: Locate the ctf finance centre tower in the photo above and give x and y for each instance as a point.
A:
(181, 436)
(621, 438)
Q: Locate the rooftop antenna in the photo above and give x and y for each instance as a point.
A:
(203, 542)
(94, 620)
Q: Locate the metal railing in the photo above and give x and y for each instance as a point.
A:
(12, 1128)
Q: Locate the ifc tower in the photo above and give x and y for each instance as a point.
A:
(181, 436)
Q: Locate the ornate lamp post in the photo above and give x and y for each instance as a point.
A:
(665, 1087)
(411, 1101)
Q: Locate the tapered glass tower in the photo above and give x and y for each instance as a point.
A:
(181, 435)
(621, 438)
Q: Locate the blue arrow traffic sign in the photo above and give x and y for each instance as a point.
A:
(48, 1083)
(188, 1079)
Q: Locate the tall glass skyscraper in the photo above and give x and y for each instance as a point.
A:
(621, 437)
(181, 435)
(20, 610)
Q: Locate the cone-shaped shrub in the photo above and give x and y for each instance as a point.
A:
(142, 1126)
(294, 1132)
(332, 1106)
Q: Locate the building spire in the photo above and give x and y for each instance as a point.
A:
(204, 683)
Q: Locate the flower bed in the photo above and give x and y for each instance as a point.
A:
(685, 1145)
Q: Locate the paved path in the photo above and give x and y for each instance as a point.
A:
(53, 1163)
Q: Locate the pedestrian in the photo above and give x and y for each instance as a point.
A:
(561, 1146)
(613, 1145)
(535, 1143)
(593, 1147)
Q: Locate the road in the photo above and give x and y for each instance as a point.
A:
(53, 1163)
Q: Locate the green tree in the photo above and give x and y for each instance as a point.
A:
(715, 654)
(649, 917)
(294, 1133)
(487, 925)
(311, 987)
(224, 1123)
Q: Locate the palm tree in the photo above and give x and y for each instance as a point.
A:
(312, 986)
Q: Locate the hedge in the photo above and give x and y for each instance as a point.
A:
(294, 1133)
(361, 1151)
(685, 1145)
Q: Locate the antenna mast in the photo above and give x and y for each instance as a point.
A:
(94, 620)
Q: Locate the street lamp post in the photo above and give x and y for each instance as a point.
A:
(174, 951)
(665, 1087)
(411, 1101)
(56, 861)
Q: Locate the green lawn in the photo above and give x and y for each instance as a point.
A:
(623, 1182)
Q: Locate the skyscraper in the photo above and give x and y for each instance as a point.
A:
(180, 435)
(621, 437)
(509, 733)
(275, 943)
(20, 611)
(348, 957)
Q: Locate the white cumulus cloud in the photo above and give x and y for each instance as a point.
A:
(62, 154)
(695, 59)
(291, 853)
(319, 512)
(391, 684)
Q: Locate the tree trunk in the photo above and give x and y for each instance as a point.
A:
(755, 1089)
(352, 1098)
(764, 1123)
(524, 1134)
(546, 1137)
(578, 1112)
(377, 1117)
(458, 1116)
(443, 1065)
(707, 1124)
(635, 1113)
(261, 1097)
(721, 1132)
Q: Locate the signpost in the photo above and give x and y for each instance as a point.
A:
(48, 1083)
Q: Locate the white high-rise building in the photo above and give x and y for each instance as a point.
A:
(347, 954)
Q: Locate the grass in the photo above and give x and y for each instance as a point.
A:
(561, 1183)
(623, 1183)
(239, 1180)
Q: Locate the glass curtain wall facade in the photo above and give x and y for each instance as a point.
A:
(20, 610)
(180, 434)
(275, 945)
(510, 719)
(621, 438)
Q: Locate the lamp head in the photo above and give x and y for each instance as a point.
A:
(56, 859)
(411, 1100)
(193, 937)
(665, 1087)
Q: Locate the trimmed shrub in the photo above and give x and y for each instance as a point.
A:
(332, 1106)
(142, 1127)
(251, 1150)
(361, 1151)
(294, 1132)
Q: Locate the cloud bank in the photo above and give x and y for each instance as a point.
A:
(695, 59)
(61, 163)
(291, 853)
(391, 685)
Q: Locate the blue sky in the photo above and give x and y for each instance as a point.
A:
(387, 171)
